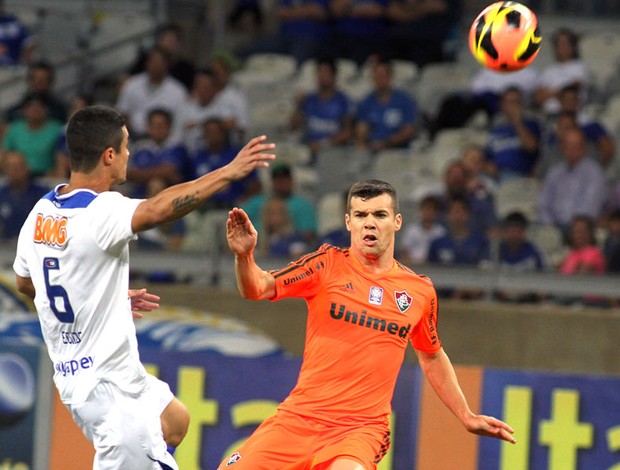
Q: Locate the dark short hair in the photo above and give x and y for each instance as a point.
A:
(571, 88)
(431, 201)
(42, 65)
(90, 132)
(590, 227)
(370, 189)
(572, 36)
(35, 97)
(516, 218)
(512, 89)
(208, 71)
(281, 170)
(160, 112)
(462, 200)
(170, 28)
(329, 62)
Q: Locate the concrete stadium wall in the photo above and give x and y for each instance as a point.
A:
(488, 334)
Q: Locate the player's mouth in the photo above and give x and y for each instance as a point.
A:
(370, 240)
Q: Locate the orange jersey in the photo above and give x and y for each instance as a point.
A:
(357, 331)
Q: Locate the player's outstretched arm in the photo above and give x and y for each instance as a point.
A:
(176, 201)
(439, 372)
(252, 281)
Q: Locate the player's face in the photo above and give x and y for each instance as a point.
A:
(373, 224)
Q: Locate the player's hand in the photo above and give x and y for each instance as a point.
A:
(490, 427)
(240, 232)
(251, 157)
(142, 301)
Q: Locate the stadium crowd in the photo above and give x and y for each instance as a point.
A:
(515, 170)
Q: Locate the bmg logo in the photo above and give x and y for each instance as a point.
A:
(17, 389)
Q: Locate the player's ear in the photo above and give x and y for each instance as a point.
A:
(107, 157)
(398, 222)
(347, 222)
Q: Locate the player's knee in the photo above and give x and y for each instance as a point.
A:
(175, 423)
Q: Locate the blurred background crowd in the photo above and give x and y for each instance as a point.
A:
(514, 172)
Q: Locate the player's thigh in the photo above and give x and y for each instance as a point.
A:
(175, 422)
(353, 447)
(280, 442)
(174, 414)
(125, 430)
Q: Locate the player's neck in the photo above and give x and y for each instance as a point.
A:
(376, 264)
(95, 182)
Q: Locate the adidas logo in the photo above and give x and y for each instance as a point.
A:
(347, 286)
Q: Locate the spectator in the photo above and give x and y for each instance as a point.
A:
(166, 237)
(602, 143)
(157, 156)
(360, 26)
(200, 107)
(420, 29)
(456, 184)
(475, 164)
(18, 194)
(611, 249)
(153, 88)
(568, 69)
(216, 153)
(575, 186)
(386, 117)
(599, 144)
(169, 37)
(303, 30)
(460, 246)
(243, 8)
(325, 116)
(40, 80)
(517, 254)
(301, 209)
(35, 136)
(230, 98)
(418, 235)
(339, 236)
(16, 43)
(278, 235)
(584, 256)
(514, 138)
(483, 95)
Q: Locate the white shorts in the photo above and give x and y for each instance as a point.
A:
(126, 428)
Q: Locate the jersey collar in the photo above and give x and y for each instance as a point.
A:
(78, 198)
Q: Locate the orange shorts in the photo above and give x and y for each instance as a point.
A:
(287, 441)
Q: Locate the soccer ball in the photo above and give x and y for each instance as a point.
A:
(505, 37)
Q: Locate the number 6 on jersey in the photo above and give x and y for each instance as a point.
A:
(56, 292)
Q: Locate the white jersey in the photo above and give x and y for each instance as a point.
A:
(75, 249)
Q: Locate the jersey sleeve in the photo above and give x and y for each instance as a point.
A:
(111, 223)
(301, 278)
(424, 336)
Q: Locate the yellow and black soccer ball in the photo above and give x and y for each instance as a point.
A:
(505, 37)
